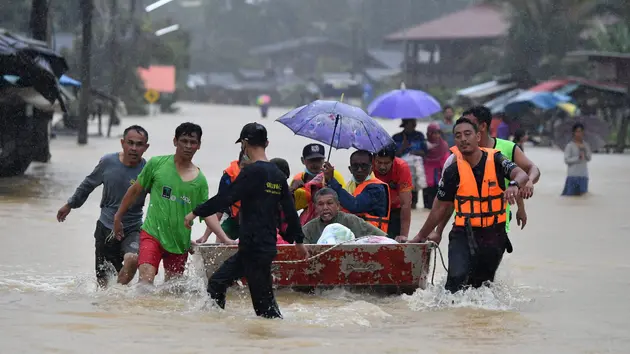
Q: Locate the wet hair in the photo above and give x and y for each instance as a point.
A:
(577, 126)
(188, 129)
(282, 165)
(326, 191)
(464, 120)
(388, 151)
(447, 107)
(482, 113)
(363, 152)
(138, 129)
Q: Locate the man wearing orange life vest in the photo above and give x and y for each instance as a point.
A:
(365, 195)
(230, 225)
(475, 186)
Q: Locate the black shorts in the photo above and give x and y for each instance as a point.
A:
(113, 251)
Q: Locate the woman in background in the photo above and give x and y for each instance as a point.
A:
(577, 154)
(437, 153)
(411, 146)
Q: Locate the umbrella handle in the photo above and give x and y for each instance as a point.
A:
(337, 118)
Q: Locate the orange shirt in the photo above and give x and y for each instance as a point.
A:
(399, 180)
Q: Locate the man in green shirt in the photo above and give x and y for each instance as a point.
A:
(327, 207)
(176, 186)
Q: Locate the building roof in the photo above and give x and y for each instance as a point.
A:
(391, 59)
(600, 55)
(475, 22)
(292, 45)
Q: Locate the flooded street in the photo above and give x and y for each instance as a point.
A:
(564, 289)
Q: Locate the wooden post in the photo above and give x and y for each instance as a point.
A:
(87, 7)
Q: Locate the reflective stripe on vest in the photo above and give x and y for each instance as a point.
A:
(233, 170)
(481, 211)
(506, 148)
(382, 222)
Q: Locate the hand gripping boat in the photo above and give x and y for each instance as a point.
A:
(383, 268)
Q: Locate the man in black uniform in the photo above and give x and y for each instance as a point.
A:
(262, 189)
(475, 187)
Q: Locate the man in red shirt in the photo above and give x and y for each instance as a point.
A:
(395, 172)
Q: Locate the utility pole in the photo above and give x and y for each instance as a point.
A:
(115, 64)
(41, 119)
(87, 8)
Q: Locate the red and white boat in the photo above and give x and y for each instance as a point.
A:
(386, 268)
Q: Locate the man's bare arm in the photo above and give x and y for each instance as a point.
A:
(436, 216)
(405, 213)
(213, 225)
(527, 165)
(130, 197)
(519, 176)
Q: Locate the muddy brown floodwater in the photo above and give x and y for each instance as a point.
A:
(565, 288)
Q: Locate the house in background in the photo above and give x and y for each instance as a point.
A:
(448, 40)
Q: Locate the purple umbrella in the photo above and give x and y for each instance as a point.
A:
(338, 125)
(403, 103)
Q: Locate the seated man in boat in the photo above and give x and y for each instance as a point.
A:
(365, 195)
(395, 172)
(475, 182)
(328, 211)
(313, 156)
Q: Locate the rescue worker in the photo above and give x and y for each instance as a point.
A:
(365, 195)
(395, 172)
(482, 116)
(474, 185)
(260, 187)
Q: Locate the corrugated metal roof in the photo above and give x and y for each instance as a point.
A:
(474, 22)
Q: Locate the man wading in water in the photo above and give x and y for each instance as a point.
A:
(262, 189)
(116, 172)
(176, 186)
(482, 117)
(474, 183)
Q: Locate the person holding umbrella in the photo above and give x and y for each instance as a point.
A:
(577, 154)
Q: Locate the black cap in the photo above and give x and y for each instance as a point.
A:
(254, 133)
(314, 151)
(405, 120)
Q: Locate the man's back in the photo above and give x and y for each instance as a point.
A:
(260, 206)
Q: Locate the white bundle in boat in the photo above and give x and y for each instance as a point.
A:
(336, 233)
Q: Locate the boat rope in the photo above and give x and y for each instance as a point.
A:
(321, 253)
(436, 246)
(430, 244)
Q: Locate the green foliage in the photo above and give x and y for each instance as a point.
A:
(612, 38)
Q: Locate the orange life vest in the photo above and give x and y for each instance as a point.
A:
(481, 211)
(233, 170)
(382, 222)
(300, 177)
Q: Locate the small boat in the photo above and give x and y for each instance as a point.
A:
(381, 268)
